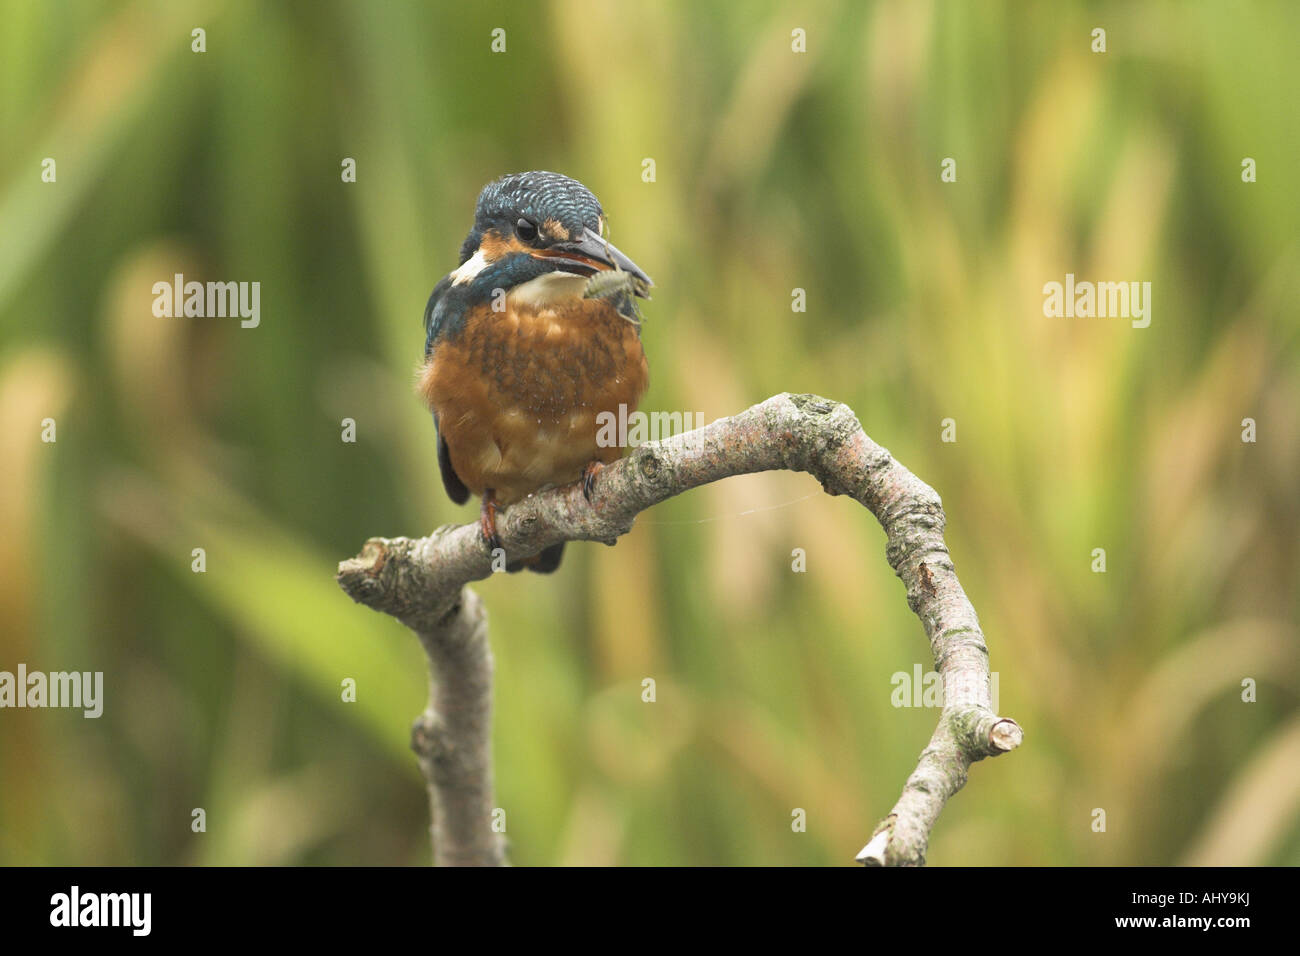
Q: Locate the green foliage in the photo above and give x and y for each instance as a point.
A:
(775, 170)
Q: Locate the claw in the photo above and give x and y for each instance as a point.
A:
(589, 474)
(487, 521)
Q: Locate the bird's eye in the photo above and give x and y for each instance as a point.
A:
(526, 230)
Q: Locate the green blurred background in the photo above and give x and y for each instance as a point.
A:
(775, 170)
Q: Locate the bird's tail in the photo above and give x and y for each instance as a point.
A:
(544, 562)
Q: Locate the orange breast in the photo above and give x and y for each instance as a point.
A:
(517, 393)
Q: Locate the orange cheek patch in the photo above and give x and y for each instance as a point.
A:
(494, 245)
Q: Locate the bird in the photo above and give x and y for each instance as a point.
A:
(528, 341)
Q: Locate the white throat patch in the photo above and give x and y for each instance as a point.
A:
(471, 268)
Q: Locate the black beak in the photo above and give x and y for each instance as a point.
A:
(593, 247)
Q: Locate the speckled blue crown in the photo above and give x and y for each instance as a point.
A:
(538, 196)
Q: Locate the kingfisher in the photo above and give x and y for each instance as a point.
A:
(527, 342)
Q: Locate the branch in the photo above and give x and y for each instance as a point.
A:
(422, 582)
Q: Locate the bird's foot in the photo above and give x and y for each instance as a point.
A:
(487, 521)
(589, 474)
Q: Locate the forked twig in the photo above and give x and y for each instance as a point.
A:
(421, 582)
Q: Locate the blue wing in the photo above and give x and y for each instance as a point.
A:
(435, 326)
(435, 315)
